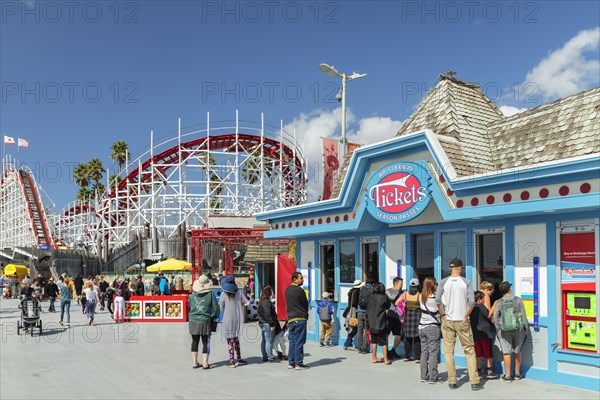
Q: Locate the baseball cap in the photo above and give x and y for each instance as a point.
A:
(414, 282)
(325, 295)
(504, 287)
(457, 262)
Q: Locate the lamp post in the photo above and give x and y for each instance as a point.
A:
(331, 71)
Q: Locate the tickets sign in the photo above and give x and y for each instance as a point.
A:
(398, 192)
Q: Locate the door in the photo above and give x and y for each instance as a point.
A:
(423, 256)
(327, 265)
(370, 259)
(489, 259)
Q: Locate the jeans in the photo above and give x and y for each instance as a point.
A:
(462, 330)
(296, 338)
(266, 345)
(350, 338)
(51, 307)
(65, 305)
(363, 343)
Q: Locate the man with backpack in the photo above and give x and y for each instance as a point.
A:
(511, 326)
(363, 300)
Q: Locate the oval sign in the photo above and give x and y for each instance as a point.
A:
(398, 192)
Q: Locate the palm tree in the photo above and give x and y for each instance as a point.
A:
(99, 189)
(251, 170)
(95, 169)
(216, 182)
(120, 153)
(114, 180)
(81, 175)
(84, 194)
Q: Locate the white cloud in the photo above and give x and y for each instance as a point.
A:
(317, 124)
(568, 70)
(509, 111)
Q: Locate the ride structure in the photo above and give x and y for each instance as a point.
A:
(186, 177)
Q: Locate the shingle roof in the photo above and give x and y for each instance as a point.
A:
(483, 139)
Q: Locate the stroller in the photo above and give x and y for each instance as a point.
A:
(30, 315)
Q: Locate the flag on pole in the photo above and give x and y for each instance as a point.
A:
(9, 140)
(22, 143)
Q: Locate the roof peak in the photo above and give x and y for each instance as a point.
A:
(449, 76)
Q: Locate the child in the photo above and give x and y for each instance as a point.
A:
(325, 310)
(482, 335)
(511, 325)
(279, 341)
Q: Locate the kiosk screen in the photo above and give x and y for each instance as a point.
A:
(583, 302)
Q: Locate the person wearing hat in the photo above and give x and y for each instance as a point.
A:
(325, 311)
(350, 312)
(139, 286)
(233, 304)
(511, 324)
(203, 306)
(455, 299)
(412, 316)
(52, 291)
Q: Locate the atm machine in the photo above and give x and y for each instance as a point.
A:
(579, 317)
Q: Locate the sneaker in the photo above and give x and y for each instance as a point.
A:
(280, 355)
(321, 344)
(241, 361)
(330, 345)
(452, 386)
(507, 379)
(476, 387)
(290, 366)
(518, 377)
(301, 366)
(491, 375)
(345, 347)
(285, 358)
(437, 380)
(232, 364)
(423, 380)
(274, 360)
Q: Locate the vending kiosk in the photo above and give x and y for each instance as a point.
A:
(579, 317)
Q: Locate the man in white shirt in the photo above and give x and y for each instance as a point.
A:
(455, 300)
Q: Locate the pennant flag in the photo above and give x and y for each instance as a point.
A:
(352, 147)
(9, 140)
(23, 143)
(331, 165)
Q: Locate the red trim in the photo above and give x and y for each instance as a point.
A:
(525, 195)
(490, 199)
(474, 201)
(585, 187)
(564, 190)
(544, 193)
(460, 203)
(507, 197)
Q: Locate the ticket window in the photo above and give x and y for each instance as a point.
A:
(370, 259)
(489, 258)
(423, 256)
(327, 268)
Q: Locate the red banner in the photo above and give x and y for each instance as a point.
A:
(285, 268)
(578, 248)
(331, 164)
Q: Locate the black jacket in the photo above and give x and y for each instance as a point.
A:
(296, 303)
(52, 290)
(78, 282)
(266, 312)
(139, 288)
(103, 285)
(376, 312)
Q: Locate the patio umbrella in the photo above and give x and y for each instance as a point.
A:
(170, 264)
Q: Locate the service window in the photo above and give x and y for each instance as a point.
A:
(452, 246)
(347, 260)
(423, 251)
(327, 268)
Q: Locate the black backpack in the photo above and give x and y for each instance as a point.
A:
(363, 296)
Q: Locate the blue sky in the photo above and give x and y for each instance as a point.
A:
(155, 61)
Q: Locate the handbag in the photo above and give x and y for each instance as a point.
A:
(352, 321)
(213, 324)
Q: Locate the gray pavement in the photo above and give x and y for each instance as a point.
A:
(152, 361)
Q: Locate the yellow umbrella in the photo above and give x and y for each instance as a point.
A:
(170, 264)
(15, 269)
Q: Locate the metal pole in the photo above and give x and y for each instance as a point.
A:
(342, 151)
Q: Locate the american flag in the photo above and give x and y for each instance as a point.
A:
(23, 143)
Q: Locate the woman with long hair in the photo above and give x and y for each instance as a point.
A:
(91, 297)
(231, 302)
(65, 301)
(378, 324)
(268, 322)
(412, 316)
(429, 332)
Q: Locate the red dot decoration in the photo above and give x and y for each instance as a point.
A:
(346, 217)
(507, 197)
(304, 223)
(442, 179)
(449, 192)
(290, 225)
(337, 218)
(354, 216)
(490, 199)
(320, 221)
(585, 187)
(563, 191)
(525, 195)
(328, 220)
(312, 221)
(544, 193)
(474, 201)
(276, 226)
(460, 204)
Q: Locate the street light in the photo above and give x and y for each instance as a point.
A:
(331, 71)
